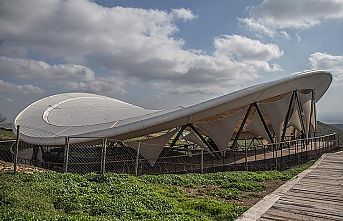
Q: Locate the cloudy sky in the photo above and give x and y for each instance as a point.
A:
(162, 54)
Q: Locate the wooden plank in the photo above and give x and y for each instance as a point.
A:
(307, 200)
(312, 196)
(319, 193)
(321, 184)
(265, 219)
(308, 212)
(334, 196)
(319, 188)
(275, 214)
(318, 196)
(311, 204)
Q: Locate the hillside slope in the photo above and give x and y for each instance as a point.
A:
(323, 129)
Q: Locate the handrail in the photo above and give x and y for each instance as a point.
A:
(243, 148)
(5, 141)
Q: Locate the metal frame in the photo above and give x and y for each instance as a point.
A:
(263, 122)
(178, 135)
(203, 140)
(288, 116)
(210, 147)
(301, 113)
(290, 111)
(241, 127)
(311, 113)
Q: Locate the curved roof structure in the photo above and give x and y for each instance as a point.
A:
(51, 119)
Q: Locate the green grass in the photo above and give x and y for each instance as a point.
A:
(55, 196)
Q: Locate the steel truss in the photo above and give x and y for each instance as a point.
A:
(291, 108)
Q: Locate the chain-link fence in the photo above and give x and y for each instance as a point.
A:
(100, 155)
(5, 150)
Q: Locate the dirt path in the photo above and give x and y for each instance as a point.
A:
(8, 167)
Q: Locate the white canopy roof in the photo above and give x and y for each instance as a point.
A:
(51, 119)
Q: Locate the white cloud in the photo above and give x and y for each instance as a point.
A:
(243, 48)
(183, 14)
(10, 88)
(62, 77)
(129, 44)
(72, 30)
(134, 44)
(332, 63)
(271, 17)
(33, 69)
(101, 85)
(256, 26)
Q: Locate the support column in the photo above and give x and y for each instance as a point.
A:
(241, 127)
(203, 139)
(311, 113)
(301, 112)
(287, 117)
(178, 135)
(263, 122)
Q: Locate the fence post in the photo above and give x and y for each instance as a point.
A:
(320, 145)
(103, 156)
(16, 150)
(315, 144)
(276, 150)
(298, 150)
(202, 160)
(306, 148)
(246, 154)
(273, 150)
(66, 155)
(223, 160)
(311, 143)
(137, 159)
(264, 151)
(337, 142)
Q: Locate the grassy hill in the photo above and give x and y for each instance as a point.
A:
(339, 126)
(213, 196)
(327, 129)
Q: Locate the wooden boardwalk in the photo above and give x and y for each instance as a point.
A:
(317, 194)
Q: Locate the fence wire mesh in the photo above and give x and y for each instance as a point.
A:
(5, 150)
(100, 155)
(109, 155)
